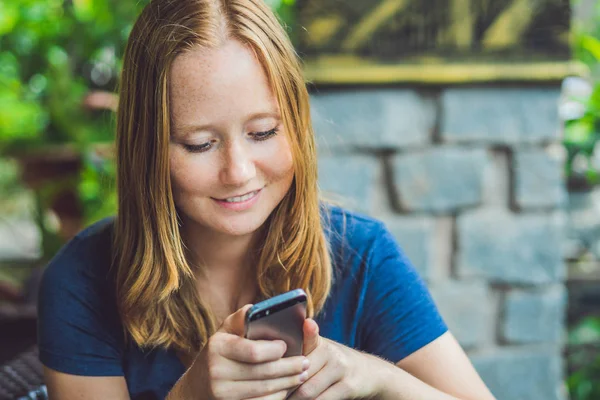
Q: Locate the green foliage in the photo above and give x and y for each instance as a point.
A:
(580, 141)
(583, 133)
(52, 54)
(285, 10)
(584, 360)
(96, 187)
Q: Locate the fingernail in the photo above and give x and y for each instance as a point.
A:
(305, 364)
(303, 376)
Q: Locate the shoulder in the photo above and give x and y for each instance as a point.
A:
(88, 252)
(79, 330)
(358, 243)
(348, 228)
(81, 267)
(349, 232)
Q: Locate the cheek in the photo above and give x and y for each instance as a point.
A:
(188, 175)
(279, 164)
(178, 172)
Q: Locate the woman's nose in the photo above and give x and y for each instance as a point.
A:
(238, 167)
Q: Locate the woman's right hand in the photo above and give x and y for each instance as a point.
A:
(236, 368)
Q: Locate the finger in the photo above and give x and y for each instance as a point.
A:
(316, 384)
(252, 351)
(311, 336)
(234, 323)
(250, 389)
(288, 366)
(318, 361)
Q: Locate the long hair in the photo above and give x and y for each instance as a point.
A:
(157, 296)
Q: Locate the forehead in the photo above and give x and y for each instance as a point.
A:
(214, 84)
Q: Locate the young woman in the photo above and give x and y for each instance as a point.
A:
(219, 209)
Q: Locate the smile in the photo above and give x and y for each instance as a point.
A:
(240, 199)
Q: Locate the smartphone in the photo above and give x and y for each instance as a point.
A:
(279, 318)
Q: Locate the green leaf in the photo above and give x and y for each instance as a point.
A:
(9, 15)
(38, 83)
(57, 57)
(20, 119)
(9, 66)
(592, 45)
(587, 331)
(84, 10)
(579, 132)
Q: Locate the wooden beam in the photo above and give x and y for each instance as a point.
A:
(461, 30)
(322, 29)
(509, 26)
(352, 71)
(366, 27)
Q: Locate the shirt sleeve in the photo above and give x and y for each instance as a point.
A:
(77, 333)
(399, 315)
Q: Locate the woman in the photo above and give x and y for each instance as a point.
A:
(218, 209)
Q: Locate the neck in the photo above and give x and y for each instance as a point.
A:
(210, 251)
(221, 259)
(225, 267)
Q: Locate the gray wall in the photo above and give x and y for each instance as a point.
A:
(469, 180)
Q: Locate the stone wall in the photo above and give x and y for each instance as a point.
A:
(469, 180)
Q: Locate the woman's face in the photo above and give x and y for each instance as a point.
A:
(230, 159)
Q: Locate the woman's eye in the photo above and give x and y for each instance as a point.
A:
(198, 148)
(264, 135)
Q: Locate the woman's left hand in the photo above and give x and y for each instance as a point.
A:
(336, 371)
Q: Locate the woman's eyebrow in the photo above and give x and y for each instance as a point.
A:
(189, 128)
(186, 129)
(262, 115)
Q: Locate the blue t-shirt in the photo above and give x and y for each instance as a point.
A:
(378, 304)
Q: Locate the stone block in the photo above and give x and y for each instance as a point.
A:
(522, 374)
(426, 241)
(20, 239)
(538, 179)
(440, 180)
(467, 308)
(372, 118)
(349, 179)
(510, 248)
(534, 316)
(500, 115)
(497, 180)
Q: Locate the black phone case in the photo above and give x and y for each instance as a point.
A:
(285, 324)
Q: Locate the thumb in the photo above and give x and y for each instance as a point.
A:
(234, 323)
(311, 336)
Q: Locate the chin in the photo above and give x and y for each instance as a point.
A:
(240, 226)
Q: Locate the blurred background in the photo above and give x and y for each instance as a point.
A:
(469, 126)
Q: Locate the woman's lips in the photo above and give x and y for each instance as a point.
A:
(240, 205)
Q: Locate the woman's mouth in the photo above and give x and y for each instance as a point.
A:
(240, 199)
(239, 203)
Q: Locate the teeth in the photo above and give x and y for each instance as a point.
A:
(239, 199)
